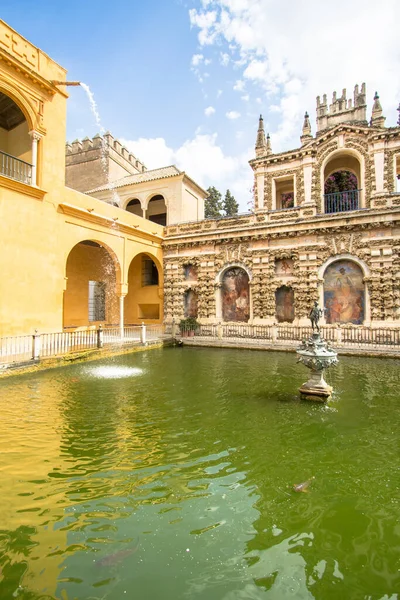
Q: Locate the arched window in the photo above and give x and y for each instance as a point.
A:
(149, 271)
(190, 302)
(344, 292)
(284, 304)
(135, 207)
(157, 210)
(342, 183)
(15, 142)
(235, 295)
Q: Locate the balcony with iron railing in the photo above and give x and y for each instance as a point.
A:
(15, 168)
(342, 201)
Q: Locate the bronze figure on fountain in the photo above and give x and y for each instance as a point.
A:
(318, 356)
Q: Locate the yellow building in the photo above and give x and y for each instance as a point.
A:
(68, 260)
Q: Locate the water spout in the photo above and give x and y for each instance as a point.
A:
(54, 82)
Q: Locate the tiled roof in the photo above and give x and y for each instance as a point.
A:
(162, 173)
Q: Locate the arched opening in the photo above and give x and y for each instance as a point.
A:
(90, 296)
(284, 304)
(143, 302)
(134, 206)
(15, 142)
(157, 210)
(342, 183)
(235, 295)
(344, 292)
(190, 304)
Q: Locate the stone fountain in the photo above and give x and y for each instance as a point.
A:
(317, 355)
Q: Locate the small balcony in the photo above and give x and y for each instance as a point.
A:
(15, 168)
(342, 201)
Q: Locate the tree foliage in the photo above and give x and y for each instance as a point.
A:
(213, 204)
(230, 205)
(215, 207)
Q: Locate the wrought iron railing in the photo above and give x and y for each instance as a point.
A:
(15, 168)
(21, 349)
(342, 201)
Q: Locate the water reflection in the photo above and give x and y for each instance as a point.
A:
(178, 483)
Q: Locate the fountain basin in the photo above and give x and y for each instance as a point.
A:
(317, 356)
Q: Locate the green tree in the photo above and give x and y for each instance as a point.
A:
(213, 204)
(230, 205)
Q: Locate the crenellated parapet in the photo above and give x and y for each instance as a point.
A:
(107, 158)
(106, 144)
(341, 109)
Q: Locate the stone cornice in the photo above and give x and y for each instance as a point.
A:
(323, 137)
(40, 82)
(362, 219)
(95, 218)
(22, 188)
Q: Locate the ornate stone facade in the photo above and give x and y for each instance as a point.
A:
(359, 225)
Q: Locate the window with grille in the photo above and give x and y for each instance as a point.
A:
(97, 301)
(149, 272)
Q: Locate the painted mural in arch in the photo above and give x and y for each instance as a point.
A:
(284, 304)
(190, 272)
(344, 293)
(190, 304)
(235, 295)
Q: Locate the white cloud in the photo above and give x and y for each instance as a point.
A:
(203, 160)
(210, 110)
(197, 59)
(219, 93)
(233, 114)
(245, 98)
(224, 59)
(290, 57)
(239, 85)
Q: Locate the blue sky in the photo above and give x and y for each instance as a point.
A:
(184, 81)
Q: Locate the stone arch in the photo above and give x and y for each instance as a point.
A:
(343, 159)
(22, 102)
(233, 293)
(134, 206)
(156, 207)
(143, 302)
(284, 304)
(343, 290)
(92, 274)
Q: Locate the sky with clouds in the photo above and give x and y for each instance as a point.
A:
(184, 81)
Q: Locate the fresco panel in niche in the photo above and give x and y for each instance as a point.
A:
(284, 303)
(190, 304)
(190, 272)
(284, 267)
(344, 293)
(235, 295)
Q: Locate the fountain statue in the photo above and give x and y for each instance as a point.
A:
(317, 355)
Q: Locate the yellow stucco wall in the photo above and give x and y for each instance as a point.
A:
(142, 303)
(40, 226)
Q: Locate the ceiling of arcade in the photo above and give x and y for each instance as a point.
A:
(10, 114)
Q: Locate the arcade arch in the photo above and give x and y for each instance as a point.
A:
(90, 297)
(18, 143)
(143, 302)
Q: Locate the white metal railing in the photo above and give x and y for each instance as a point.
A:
(15, 168)
(20, 349)
(343, 336)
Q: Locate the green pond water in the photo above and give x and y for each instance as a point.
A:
(168, 475)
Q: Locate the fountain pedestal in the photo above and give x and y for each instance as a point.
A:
(317, 355)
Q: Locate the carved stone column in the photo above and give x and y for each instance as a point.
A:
(35, 139)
